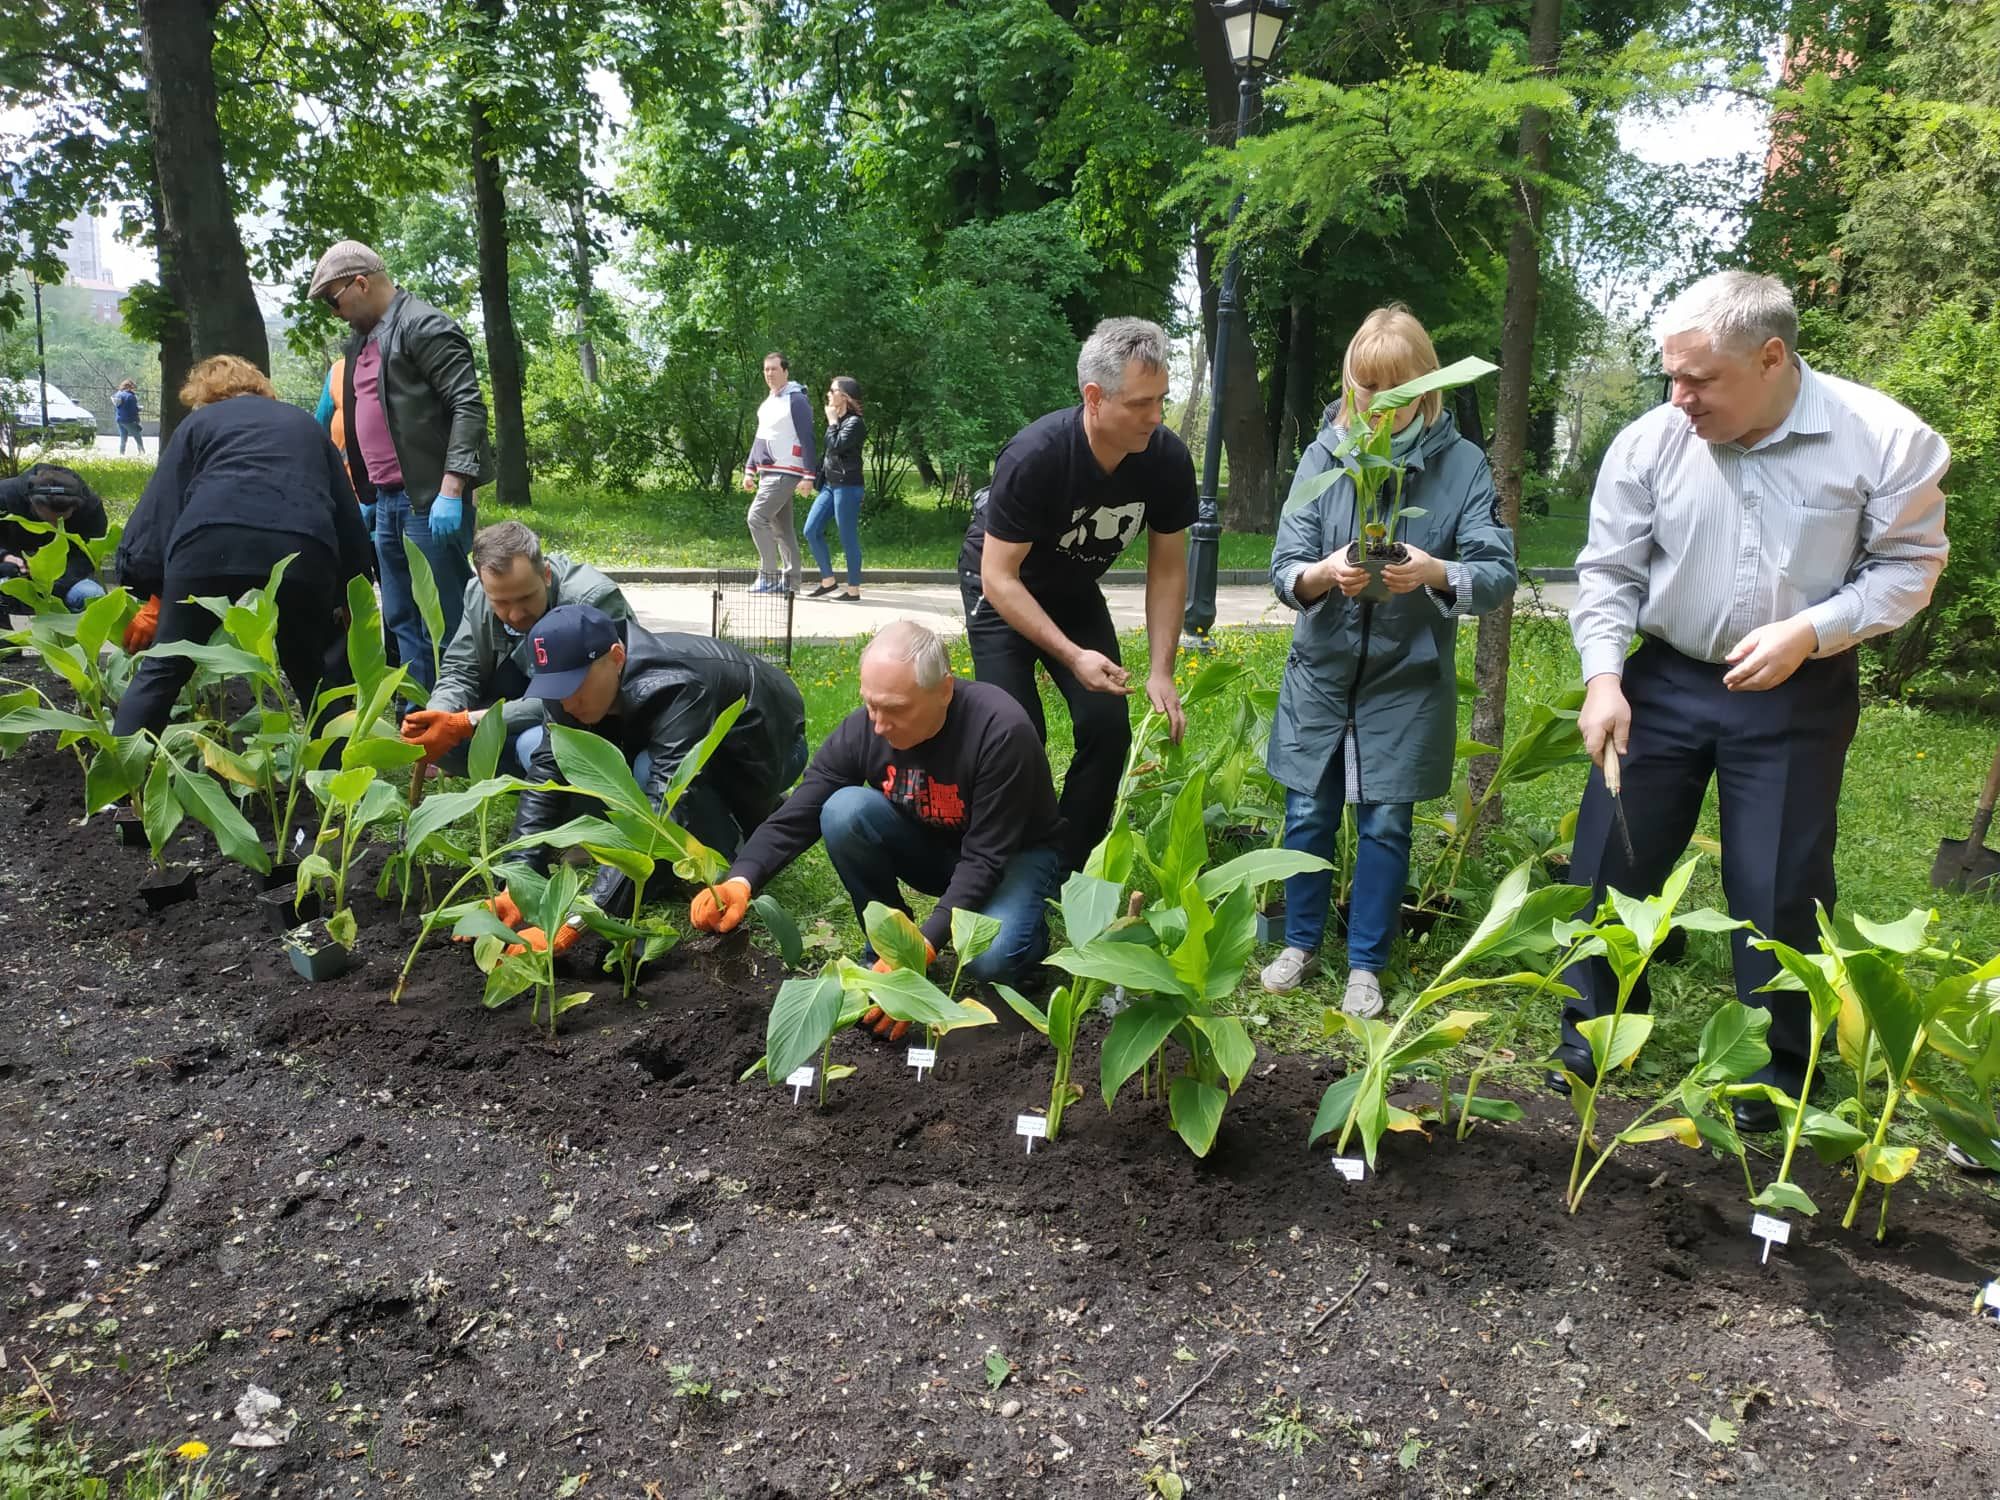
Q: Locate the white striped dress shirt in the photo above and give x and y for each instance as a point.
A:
(1838, 513)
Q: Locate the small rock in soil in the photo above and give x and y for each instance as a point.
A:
(1010, 1409)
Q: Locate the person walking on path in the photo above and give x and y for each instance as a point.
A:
(839, 497)
(1751, 532)
(416, 444)
(125, 410)
(780, 466)
(1070, 491)
(246, 481)
(1368, 707)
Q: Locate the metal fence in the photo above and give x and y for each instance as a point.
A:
(759, 623)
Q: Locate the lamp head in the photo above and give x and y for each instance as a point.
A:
(1253, 28)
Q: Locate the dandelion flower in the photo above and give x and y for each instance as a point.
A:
(193, 1451)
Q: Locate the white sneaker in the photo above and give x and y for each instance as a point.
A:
(1965, 1161)
(1364, 995)
(1288, 971)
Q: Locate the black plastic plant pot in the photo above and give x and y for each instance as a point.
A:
(1419, 920)
(128, 828)
(328, 961)
(282, 877)
(165, 888)
(1271, 922)
(282, 913)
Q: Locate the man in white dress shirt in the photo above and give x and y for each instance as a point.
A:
(1751, 531)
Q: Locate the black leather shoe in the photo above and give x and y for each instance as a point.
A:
(1578, 1061)
(1756, 1116)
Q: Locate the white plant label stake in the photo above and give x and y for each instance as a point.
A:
(922, 1058)
(1772, 1232)
(1034, 1127)
(1353, 1168)
(801, 1079)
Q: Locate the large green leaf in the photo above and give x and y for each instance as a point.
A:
(1785, 1195)
(1023, 1007)
(1231, 936)
(512, 975)
(424, 590)
(117, 770)
(1196, 1110)
(1257, 867)
(784, 931)
(1515, 912)
(1907, 935)
(802, 1018)
(1336, 1104)
(1135, 1035)
(908, 996)
(1615, 1040)
(1187, 836)
(381, 753)
(592, 764)
(1733, 1043)
(895, 937)
(552, 904)
(440, 810)
(1892, 1007)
(1439, 1036)
(215, 811)
(1235, 1053)
(1140, 969)
(972, 933)
(1089, 905)
(1457, 373)
(489, 739)
(161, 810)
(1967, 1122)
(366, 657)
(1799, 972)
(221, 659)
(692, 763)
(476, 921)
(103, 620)
(33, 718)
(1216, 677)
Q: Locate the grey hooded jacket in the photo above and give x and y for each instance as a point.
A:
(486, 662)
(1386, 673)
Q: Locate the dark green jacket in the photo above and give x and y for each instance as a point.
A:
(430, 394)
(486, 662)
(1387, 673)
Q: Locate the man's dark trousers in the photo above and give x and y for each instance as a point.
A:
(1100, 723)
(1776, 758)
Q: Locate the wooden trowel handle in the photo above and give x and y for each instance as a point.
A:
(1982, 816)
(1613, 777)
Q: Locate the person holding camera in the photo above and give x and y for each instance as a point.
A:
(52, 495)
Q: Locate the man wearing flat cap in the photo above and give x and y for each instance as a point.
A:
(415, 437)
(656, 697)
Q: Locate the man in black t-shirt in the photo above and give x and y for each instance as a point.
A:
(932, 783)
(1070, 491)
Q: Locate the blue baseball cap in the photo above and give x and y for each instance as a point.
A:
(563, 643)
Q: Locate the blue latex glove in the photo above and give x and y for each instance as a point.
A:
(368, 516)
(447, 518)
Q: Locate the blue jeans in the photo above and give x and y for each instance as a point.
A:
(842, 504)
(396, 518)
(1381, 869)
(873, 844)
(133, 431)
(81, 593)
(529, 740)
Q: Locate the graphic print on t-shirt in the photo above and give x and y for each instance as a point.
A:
(936, 803)
(1094, 524)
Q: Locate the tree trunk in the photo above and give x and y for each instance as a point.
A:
(176, 355)
(196, 223)
(1508, 451)
(1276, 394)
(503, 345)
(1195, 415)
(1247, 503)
(580, 252)
(1302, 407)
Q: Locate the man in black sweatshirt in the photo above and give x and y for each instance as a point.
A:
(933, 783)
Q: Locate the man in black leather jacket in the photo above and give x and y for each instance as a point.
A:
(414, 438)
(656, 697)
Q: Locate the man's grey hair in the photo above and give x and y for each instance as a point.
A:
(1116, 343)
(1736, 309)
(915, 643)
(496, 547)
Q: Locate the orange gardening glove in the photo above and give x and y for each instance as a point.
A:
(503, 907)
(144, 627)
(438, 730)
(535, 938)
(722, 909)
(878, 1020)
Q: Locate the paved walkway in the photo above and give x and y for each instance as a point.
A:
(691, 607)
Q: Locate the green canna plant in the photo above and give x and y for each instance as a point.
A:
(511, 967)
(1632, 929)
(1520, 921)
(1732, 1047)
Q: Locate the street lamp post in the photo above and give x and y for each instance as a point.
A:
(1252, 28)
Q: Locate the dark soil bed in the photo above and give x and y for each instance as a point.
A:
(474, 1265)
